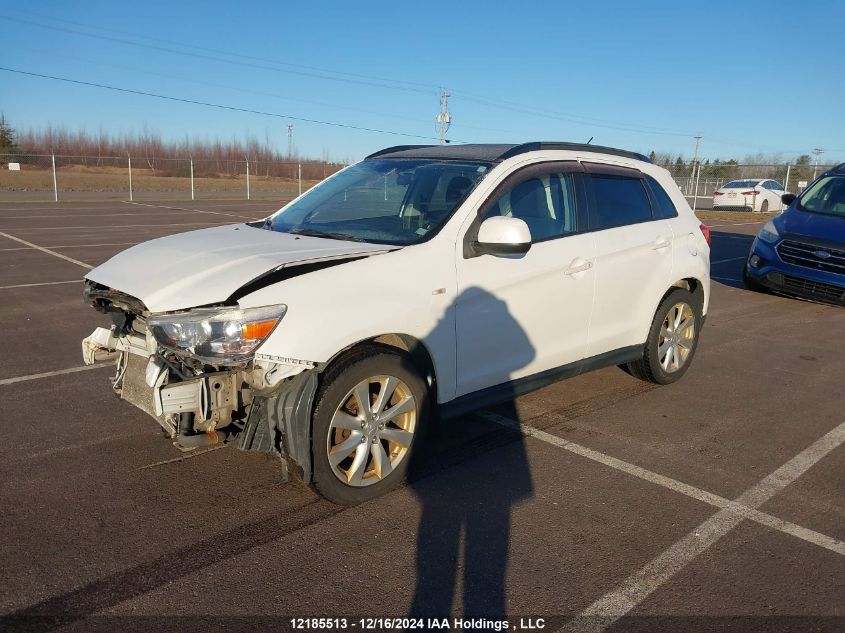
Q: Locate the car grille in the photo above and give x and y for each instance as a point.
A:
(809, 288)
(813, 257)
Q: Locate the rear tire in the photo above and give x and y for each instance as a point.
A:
(672, 339)
(764, 208)
(362, 452)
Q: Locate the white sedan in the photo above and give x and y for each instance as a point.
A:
(752, 194)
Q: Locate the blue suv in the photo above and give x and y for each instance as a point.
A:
(802, 251)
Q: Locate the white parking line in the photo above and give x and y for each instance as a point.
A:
(742, 507)
(161, 206)
(724, 261)
(43, 283)
(86, 215)
(49, 374)
(48, 251)
(182, 458)
(104, 228)
(642, 583)
(711, 226)
(89, 245)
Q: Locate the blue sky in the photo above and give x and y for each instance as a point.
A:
(750, 77)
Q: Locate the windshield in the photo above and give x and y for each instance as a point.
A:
(827, 195)
(387, 201)
(741, 184)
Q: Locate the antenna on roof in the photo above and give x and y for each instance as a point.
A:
(591, 140)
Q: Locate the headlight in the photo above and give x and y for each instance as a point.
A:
(769, 232)
(218, 336)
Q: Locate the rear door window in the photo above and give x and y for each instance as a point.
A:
(618, 201)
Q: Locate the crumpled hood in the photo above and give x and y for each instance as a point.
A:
(197, 268)
(816, 226)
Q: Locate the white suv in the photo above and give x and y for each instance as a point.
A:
(423, 280)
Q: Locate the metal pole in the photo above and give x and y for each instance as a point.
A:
(694, 161)
(55, 184)
(299, 177)
(695, 197)
(192, 177)
(130, 177)
(818, 152)
(247, 179)
(785, 184)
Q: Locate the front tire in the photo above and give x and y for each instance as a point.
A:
(672, 339)
(369, 418)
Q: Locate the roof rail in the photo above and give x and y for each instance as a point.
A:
(499, 152)
(578, 147)
(395, 148)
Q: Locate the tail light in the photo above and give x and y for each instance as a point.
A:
(705, 231)
(718, 193)
(750, 193)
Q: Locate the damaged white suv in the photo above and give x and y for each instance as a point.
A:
(423, 280)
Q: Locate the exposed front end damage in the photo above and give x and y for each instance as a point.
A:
(263, 404)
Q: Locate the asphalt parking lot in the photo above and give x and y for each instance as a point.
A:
(717, 503)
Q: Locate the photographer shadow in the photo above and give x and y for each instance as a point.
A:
(472, 504)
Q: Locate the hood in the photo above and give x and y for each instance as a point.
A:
(817, 227)
(197, 268)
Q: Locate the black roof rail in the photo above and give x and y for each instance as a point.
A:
(395, 148)
(497, 152)
(577, 147)
(839, 168)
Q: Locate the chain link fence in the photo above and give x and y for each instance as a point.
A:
(699, 181)
(46, 177)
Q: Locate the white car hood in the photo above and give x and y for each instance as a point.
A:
(207, 266)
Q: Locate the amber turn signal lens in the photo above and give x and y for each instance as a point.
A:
(259, 329)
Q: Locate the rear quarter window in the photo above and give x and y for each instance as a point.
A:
(665, 207)
(618, 201)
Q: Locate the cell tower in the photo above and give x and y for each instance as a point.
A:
(444, 119)
(290, 140)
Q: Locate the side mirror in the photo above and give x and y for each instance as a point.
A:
(788, 198)
(502, 235)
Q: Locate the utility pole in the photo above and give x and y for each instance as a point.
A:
(444, 119)
(694, 161)
(818, 152)
(290, 140)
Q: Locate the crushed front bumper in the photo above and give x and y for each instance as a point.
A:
(262, 406)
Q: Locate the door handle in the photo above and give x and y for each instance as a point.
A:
(660, 243)
(578, 265)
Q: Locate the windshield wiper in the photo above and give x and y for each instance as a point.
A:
(346, 237)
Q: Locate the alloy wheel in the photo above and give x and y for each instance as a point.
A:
(677, 337)
(371, 430)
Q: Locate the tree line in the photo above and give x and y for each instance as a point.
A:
(163, 157)
(772, 166)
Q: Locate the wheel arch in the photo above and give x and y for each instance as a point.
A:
(409, 345)
(695, 286)
(691, 284)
